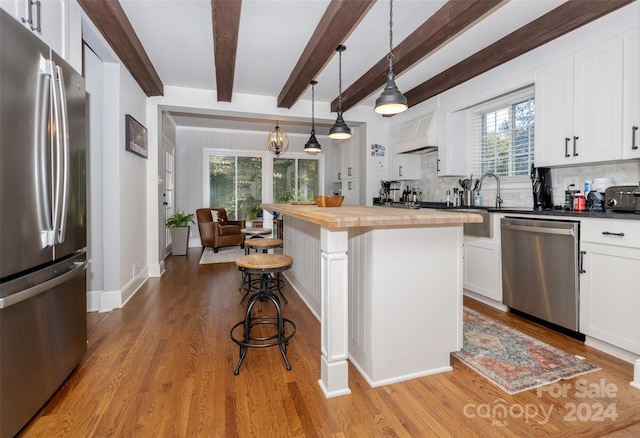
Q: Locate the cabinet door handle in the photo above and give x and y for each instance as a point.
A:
(349, 185)
(399, 170)
(349, 171)
(575, 140)
(608, 233)
(566, 147)
(339, 176)
(582, 253)
(438, 165)
(38, 27)
(634, 129)
(29, 18)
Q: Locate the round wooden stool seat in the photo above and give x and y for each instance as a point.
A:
(264, 261)
(264, 243)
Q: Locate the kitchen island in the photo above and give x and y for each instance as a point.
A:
(385, 283)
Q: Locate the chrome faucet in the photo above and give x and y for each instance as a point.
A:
(498, 198)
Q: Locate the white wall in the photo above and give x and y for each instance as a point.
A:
(120, 194)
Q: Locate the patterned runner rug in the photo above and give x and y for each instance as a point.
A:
(512, 360)
(224, 255)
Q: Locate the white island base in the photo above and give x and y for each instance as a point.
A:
(389, 298)
(405, 301)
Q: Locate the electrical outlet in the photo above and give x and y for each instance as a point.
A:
(568, 180)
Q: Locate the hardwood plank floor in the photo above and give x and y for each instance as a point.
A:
(163, 366)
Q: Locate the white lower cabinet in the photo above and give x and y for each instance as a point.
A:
(482, 272)
(610, 283)
(482, 268)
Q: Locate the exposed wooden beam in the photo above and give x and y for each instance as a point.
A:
(110, 19)
(561, 20)
(339, 20)
(450, 20)
(225, 16)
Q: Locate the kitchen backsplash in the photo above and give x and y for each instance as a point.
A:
(435, 188)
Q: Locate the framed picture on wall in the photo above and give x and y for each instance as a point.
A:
(136, 137)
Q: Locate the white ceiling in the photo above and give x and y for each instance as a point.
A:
(177, 36)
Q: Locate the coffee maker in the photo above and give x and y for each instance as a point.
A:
(541, 185)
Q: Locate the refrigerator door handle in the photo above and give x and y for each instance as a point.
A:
(42, 141)
(62, 123)
(23, 295)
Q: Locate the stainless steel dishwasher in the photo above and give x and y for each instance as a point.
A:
(540, 269)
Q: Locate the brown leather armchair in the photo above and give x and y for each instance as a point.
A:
(221, 232)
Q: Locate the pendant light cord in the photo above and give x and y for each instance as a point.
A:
(340, 81)
(390, 55)
(313, 99)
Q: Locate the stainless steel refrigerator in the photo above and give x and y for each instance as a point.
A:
(43, 325)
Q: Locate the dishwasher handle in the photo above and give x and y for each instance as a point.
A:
(581, 269)
(540, 230)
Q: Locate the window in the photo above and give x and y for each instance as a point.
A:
(235, 179)
(295, 179)
(503, 135)
(235, 183)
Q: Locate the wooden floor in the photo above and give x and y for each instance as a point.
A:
(163, 367)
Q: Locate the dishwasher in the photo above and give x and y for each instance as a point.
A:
(540, 269)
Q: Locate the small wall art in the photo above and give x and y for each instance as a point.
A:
(136, 141)
(377, 150)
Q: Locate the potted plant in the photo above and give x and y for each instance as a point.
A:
(255, 216)
(254, 212)
(178, 225)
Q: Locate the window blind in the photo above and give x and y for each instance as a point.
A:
(503, 135)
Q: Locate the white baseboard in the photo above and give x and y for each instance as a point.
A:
(106, 301)
(488, 301)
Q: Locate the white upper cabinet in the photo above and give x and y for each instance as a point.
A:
(346, 159)
(578, 107)
(631, 97)
(45, 18)
(454, 144)
(406, 167)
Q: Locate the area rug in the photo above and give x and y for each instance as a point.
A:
(224, 255)
(513, 361)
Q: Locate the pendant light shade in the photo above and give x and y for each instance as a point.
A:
(312, 146)
(340, 130)
(391, 101)
(277, 141)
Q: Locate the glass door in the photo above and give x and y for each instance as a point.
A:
(235, 183)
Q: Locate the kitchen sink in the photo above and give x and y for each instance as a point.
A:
(484, 229)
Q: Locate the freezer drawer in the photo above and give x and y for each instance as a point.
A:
(43, 335)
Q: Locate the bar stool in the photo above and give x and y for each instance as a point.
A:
(248, 283)
(263, 265)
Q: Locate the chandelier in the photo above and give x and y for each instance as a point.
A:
(277, 141)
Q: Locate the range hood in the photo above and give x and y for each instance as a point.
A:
(417, 136)
(421, 150)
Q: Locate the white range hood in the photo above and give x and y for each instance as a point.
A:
(416, 136)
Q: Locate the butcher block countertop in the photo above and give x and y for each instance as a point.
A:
(348, 216)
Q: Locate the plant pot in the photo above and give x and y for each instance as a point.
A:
(179, 240)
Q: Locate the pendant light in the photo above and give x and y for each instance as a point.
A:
(312, 145)
(391, 101)
(340, 130)
(277, 141)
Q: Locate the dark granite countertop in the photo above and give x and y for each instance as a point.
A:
(527, 211)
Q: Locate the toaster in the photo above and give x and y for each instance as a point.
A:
(620, 198)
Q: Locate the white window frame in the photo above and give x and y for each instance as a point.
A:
(498, 103)
(267, 168)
